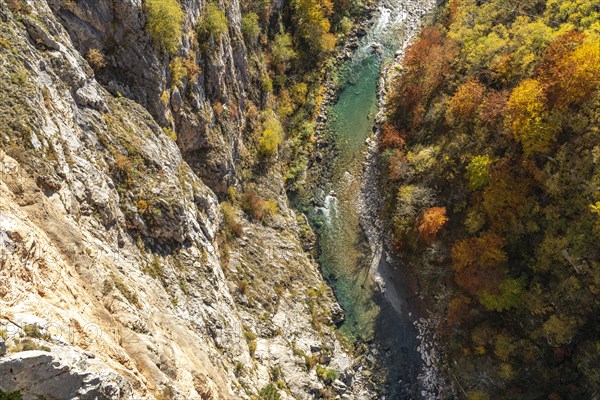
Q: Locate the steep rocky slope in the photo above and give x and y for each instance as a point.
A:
(114, 283)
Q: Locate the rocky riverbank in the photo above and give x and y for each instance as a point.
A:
(386, 270)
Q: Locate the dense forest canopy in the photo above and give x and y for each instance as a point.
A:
(491, 153)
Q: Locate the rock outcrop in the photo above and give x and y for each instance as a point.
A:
(113, 278)
(61, 374)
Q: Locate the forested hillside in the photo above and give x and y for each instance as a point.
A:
(491, 157)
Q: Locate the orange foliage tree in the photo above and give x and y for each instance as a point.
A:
(391, 137)
(571, 69)
(491, 112)
(478, 263)
(432, 220)
(428, 64)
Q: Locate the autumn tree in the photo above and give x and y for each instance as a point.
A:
(313, 26)
(478, 262)
(397, 165)
(213, 22)
(427, 65)
(505, 198)
(250, 28)
(571, 69)
(465, 102)
(283, 51)
(491, 112)
(459, 311)
(431, 222)
(270, 136)
(391, 137)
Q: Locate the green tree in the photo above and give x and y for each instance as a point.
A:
(250, 28)
(508, 296)
(164, 23)
(478, 171)
(213, 23)
(283, 51)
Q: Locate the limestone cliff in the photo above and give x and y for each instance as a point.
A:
(113, 283)
(138, 69)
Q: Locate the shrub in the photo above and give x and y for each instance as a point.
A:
(170, 133)
(327, 375)
(96, 59)
(19, 6)
(129, 294)
(233, 228)
(155, 268)
(253, 204)
(243, 286)
(213, 23)
(192, 68)
(251, 339)
(164, 23)
(267, 84)
(269, 392)
(10, 395)
(34, 331)
(270, 208)
(165, 97)
(239, 369)
(178, 71)
(256, 207)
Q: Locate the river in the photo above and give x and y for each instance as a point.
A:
(348, 246)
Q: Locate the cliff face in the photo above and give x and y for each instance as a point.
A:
(113, 281)
(139, 70)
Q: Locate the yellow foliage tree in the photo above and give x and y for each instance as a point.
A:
(528, 119)
(271, 136)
